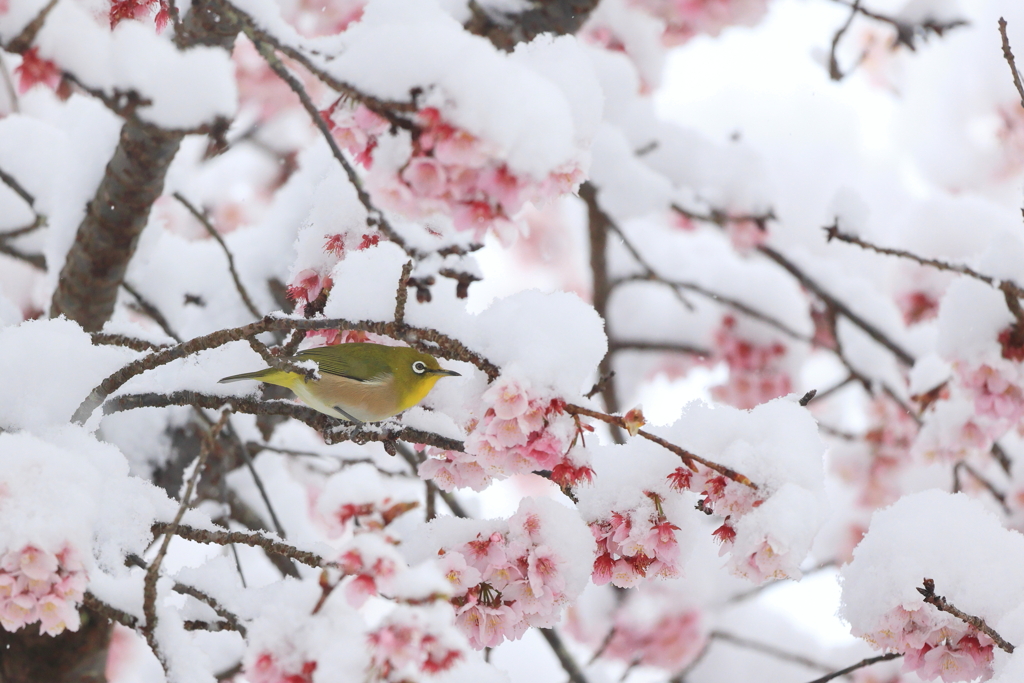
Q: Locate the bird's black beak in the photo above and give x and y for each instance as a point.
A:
(450, 373)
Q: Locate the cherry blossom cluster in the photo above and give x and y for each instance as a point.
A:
(266, 668)
(875, 473)
(36, 70)
(371, 565)
(934, 644)
(357, 500)
(995, 387)
(685, 19)
(671, 642)
(503, 582)
(407, 646)
(635, 544)
(450, 171)
(140, 10)
(37, 585)
(756, 372)
(310, 286)
(657, 624)
(521, 431)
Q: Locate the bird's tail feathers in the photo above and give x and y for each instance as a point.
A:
(259, 375)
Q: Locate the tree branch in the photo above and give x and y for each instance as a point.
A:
(940, 603)
(333, 430)
(425, 339)
(227, 252)
(687, 457)
(859, 665)
(252, 540)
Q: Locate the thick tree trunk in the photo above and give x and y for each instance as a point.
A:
(79, 657)
(106, 239)
(134, 179)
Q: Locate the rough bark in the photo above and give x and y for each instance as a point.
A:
(133, 180)
(87, 290)
(505, 31)
(79, 657)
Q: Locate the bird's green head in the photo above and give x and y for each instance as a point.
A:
(415, 373)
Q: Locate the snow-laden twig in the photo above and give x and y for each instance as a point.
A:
(333, 430)
(687, 457)
(153, 572)
(253, 540)
(927, 591)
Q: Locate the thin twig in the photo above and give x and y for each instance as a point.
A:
(11, 182)
(101, 338)
(333, 430)
(989, 486)
(199, 216)
(940, 603)
(719, 298)
(37, 261)
(152, 311)
(769, 650)
(840, 307)
(414, 461)
(199, 595)
(153, 572)
(251, 466)
(402, 295)
(859, 665)
(564, 657)
(374, 216)
(1008, 56)
(669, 347)
(833, 62)
(833, 232)
(253, 540)
(109, 612)
(685, 455)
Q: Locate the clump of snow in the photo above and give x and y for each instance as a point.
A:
(49, 367)
(949, 538)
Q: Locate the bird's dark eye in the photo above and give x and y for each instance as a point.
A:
(418, 367)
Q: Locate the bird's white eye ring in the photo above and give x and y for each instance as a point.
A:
(419, 367)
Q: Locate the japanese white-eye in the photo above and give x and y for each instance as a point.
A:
(359, 382)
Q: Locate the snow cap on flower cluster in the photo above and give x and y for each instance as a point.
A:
(971, 558)
(56, 531)
(508, 575)
(767, 531)
(179, 88)
(524, 103)
(949, 538)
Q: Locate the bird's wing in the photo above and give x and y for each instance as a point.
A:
(353, 364)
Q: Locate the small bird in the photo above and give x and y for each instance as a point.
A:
(359, 382)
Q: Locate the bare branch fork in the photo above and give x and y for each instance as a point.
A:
(928, 593)
(687, 457)
(1011, 291)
